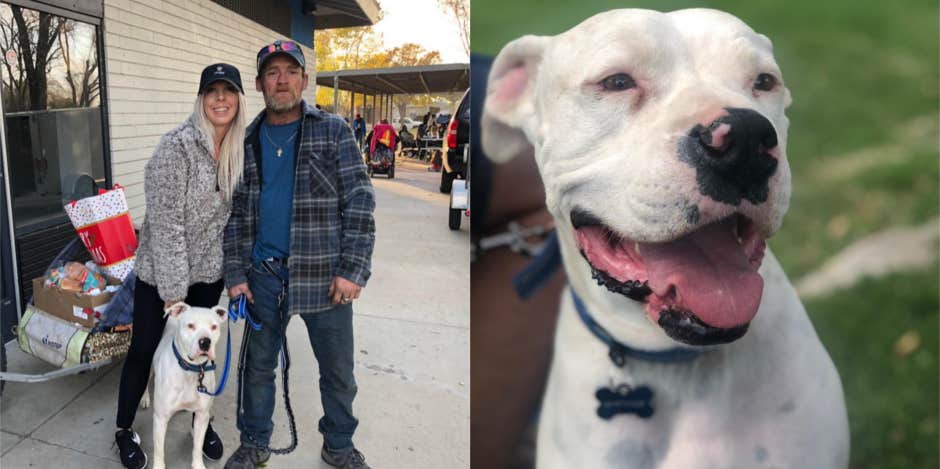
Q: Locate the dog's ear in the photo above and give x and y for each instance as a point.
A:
(220, 311)
(509, 120)
(176, 309)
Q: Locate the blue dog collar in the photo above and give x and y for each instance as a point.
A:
(619, 352)
(207, 366)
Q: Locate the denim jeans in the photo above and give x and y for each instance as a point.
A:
(331, 336)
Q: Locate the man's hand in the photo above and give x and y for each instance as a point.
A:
(343, 291)
(239, 289)
(167, 304)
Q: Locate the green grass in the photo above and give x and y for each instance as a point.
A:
(892, 400)
(863, 151)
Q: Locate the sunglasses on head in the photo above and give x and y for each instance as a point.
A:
(277, 46)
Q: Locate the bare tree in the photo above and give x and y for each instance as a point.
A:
(460, 11)
(14, 80)
(84, 82)
(45, 31)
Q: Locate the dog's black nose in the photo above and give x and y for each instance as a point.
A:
(204, 344)
(731, 156)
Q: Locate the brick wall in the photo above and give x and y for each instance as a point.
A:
(154, 52)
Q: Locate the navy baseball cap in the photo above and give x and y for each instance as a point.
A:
(290, 48)
(223, 72)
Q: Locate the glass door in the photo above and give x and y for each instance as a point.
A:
(54, 127)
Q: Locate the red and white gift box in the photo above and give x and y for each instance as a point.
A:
(104, 225)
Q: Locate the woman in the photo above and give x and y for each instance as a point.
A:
(189, 182)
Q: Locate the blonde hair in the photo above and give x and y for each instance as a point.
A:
(232, 150)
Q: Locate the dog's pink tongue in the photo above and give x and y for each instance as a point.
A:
(709, 275)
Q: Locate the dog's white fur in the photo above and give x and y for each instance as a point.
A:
(174, 389)
(770, 399)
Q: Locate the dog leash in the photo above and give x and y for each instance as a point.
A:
(238, 307)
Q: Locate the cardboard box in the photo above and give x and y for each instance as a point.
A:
(71, 306)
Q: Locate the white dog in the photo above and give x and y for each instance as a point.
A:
(193, 332)
(661, 141)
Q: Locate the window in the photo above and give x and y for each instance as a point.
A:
(52, 112)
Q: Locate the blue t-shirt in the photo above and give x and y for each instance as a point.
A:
(277, 189)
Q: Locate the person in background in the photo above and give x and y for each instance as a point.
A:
(359, 129)
(383, 136)
(299, 243)
(189, 182)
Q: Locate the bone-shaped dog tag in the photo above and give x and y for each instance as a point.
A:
(624, 400)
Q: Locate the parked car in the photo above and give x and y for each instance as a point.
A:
(455, 173)
(456, 140)
(408, 122)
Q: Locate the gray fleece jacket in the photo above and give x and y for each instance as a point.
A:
(181, 238)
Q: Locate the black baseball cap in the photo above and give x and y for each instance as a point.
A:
(289, 48)
(224, 72)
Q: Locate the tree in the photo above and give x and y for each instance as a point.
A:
(410, 54)
(83, 83)
(459, 10)
(43, 28)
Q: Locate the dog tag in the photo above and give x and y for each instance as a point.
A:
(623, 399)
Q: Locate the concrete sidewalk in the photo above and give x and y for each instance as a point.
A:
(412, 328)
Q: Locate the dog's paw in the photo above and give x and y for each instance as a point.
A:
(145, 400)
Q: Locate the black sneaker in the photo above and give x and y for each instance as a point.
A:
(344, 458)
(246, 457)
(211, 444)
(132, 456)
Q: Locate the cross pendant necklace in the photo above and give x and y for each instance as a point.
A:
(280, 148)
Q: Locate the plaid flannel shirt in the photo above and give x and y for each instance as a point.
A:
(332, 229)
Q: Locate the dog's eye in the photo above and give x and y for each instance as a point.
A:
(191, 326)
(618, 82)
(765, 82)
(214, 327)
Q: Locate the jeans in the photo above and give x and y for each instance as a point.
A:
(331, 336)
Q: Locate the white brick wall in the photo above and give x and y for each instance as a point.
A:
(154, 52)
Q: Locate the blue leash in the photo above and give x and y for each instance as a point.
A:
(237, 308)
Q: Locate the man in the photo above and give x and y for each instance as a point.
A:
(359, 128)
(299, 242)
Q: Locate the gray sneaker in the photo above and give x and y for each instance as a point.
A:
(344, 458)
(246, 457)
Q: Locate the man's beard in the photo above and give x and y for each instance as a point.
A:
(276, 107)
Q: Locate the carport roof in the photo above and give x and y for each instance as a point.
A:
(442, 78)
(331, 14)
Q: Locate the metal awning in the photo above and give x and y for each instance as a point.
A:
(442, 78)
(329, 14)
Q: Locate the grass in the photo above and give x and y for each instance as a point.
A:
(892, 399)
(863, 152)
